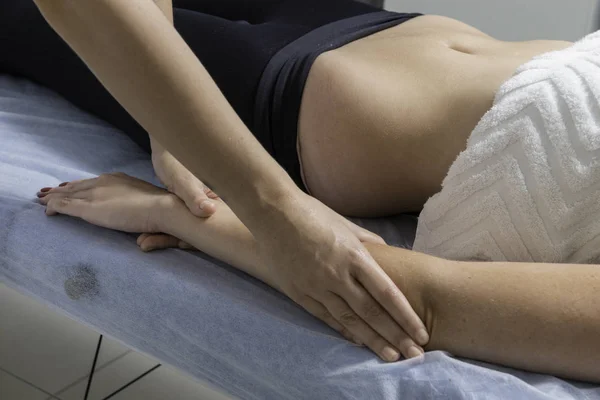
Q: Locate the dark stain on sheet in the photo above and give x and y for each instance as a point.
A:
(82, 283)
(8, 216)
(9, 212)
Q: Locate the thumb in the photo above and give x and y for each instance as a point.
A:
(193, 193)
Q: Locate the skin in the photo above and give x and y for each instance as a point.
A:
(178, 179)
(136, 53)
(538, 317)
(418, 108)
(384, 117)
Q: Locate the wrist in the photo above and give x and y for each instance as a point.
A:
(167, 213)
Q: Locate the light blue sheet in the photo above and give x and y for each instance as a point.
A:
(187, 309)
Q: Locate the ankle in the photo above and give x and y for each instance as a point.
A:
(166, 214)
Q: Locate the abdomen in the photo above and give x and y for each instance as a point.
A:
(383, 118)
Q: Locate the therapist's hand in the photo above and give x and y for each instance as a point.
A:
(199, 198)
(315, 256)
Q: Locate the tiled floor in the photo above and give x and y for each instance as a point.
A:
(47, 356)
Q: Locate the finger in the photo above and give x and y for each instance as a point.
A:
(59, 204)
(385, 292)
(84, 195)
(158, 242)
(365, 235)
(379, 319)
(318, 310)
(74, 186)
(44, 192)
(341, 311)
(44, 199)
(142, 237)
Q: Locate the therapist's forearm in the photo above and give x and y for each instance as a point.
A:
(144, 63)
(166, 7)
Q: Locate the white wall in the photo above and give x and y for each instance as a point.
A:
(514, 19)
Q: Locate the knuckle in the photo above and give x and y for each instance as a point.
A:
(355, 254)
(326, 316)
(329, 276)
(349, 318)
(403, 342)
(64, 202)
(391, 293)
(377, 344)
(373, 311)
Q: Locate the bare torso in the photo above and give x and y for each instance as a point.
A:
(383, 118)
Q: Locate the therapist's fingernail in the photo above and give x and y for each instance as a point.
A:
(46, 189)
(390, 354)
(415, 352)
(422, 337)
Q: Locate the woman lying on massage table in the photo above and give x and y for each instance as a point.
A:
(538, 317)
(416, 84)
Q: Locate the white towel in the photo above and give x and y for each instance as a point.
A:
(527, 188)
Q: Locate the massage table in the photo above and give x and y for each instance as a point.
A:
(185, 308)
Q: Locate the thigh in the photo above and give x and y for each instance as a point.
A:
(233, 10)
(307, 13)
(30, 48)
(235, 53)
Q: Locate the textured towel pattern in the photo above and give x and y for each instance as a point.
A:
(527, 188)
